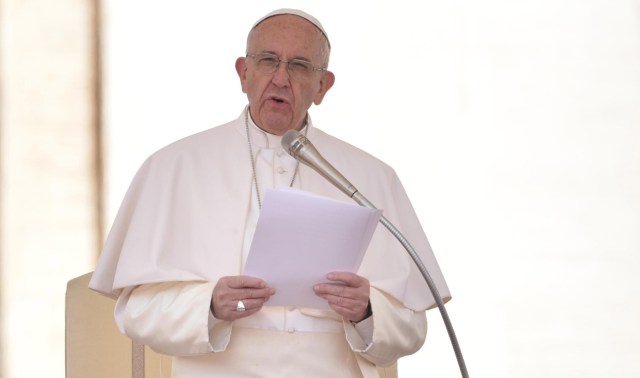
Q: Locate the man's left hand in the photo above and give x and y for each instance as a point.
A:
(347, 294)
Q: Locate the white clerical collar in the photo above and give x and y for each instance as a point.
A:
(263, 139)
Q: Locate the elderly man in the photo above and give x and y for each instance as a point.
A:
(175, 255)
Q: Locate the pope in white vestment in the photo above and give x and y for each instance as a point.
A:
(187, 221)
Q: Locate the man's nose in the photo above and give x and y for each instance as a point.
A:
(281, 77)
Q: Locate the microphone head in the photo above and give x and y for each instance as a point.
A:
(301, 149)
(293, 141)
(289, 138)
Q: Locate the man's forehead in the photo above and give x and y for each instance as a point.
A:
(295, 12)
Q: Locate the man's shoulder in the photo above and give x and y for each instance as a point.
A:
(340, 149)
(211, 140)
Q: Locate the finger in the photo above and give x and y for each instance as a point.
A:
(241, 287)
(356, 301)
(262, 294)
(347, 302)
(250, 304)
(348, 309)
(240, 282)
(350, 279)
(339, 301)
(231, 310)
(341, 290)
(338, 290)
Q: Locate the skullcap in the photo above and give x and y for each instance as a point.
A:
(295, 12)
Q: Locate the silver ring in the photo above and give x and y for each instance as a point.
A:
(240, 306)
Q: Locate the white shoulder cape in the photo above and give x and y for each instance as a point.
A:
(183, 217)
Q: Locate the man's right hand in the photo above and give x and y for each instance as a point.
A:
(252, 291)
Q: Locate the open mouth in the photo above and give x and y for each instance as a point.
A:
(279, 100)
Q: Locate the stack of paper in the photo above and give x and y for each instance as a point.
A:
(300, 237)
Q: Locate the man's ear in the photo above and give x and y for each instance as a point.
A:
(241, 69)
(328, 78)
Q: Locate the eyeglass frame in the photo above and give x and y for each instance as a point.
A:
(306, 62)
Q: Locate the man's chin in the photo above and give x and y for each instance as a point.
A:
(276, 124)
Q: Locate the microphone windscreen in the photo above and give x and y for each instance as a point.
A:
(288, 138)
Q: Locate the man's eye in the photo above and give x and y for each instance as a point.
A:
(299, 66)
(268, 60)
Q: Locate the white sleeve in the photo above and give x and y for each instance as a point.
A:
(397, 331)
(173, 318)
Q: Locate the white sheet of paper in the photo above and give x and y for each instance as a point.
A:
(300, 237)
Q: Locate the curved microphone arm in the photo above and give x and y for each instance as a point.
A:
(360, 199)
(298, 146)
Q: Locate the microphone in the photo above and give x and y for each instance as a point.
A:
(301, 148)
(298, 146)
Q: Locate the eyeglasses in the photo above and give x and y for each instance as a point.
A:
(268, 63)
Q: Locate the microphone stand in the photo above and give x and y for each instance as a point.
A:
(361, 200)
(298, 146)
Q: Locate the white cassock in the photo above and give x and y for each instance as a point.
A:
(188, 219)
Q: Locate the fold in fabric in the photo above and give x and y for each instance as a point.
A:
(183, 217)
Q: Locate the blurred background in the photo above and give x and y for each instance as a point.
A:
(514, 126)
